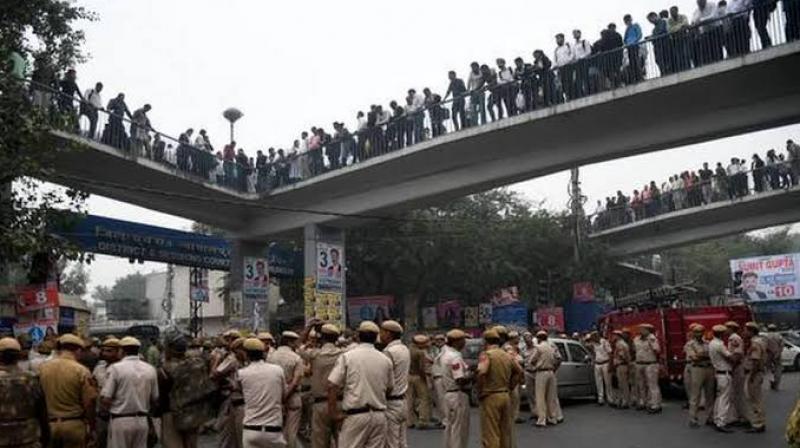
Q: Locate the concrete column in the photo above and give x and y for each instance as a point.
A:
(238, 308)
(325, 273)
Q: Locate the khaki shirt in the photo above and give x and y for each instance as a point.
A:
(293, 368)
(418, 361)
(545, 356)
(365, 376)
(774, 343)
(756, 355)
(227, 370)
(647, 349)
(132, 385)
(697, 353)
(453, 368)
(719, 355)
(263, 385)
(322, 361)
(67, 386)
(622, 353)
(498, 370)
(601, 351)
(400, 357)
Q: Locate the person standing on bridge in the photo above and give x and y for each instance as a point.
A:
(562, 61)
(477, 99)
(458, 89)
(633, 35)
(90, 107)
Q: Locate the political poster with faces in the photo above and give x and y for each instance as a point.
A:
(330, 267)
(256, 278)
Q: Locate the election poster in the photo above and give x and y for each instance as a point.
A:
(449, 314)
(550, 319)
(429, 318)
(198, 285)
(505, 296)
(330, 267)
(256, 278)
(485, 313)
(37, 330)
(512, 315)
(582, 292)
(36, 297)
(374, 308)
(772, 277)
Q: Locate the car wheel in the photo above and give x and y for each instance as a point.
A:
(796, 364)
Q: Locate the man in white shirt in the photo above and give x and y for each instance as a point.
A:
(601, 355)
(708, 47)
(507, 90)
(737, 34)
(721, 361)
(416, 117)
(581, 50)
(477, 99)
(263, 386)
(563, 57)
(92, 103)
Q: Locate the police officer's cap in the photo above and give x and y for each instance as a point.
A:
(752, 326)
(648, 326)
(237, 343)
(732, 324)
(129, 341)
(491, 334)
(697, 328)
(617, 332)
(367, 326)
(253, 345)
(110, 342)
(513, 334)
(772, 327)
(9, 344)
(501, 330)
(330, 329)
(541, 334)
(265, 336)
(312, 334)
(70, 339)
(290, 335)
(393, 326)
(455, 334)
(420, 339)
(232, 334)
(719, 328)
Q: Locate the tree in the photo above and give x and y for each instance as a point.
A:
(128, 299)
(74, 280)
(43, 31)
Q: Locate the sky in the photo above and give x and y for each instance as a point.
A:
(292, 65)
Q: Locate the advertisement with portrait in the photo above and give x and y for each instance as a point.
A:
(256, 277)
(449, 314)
(330, 266)
(374, 308)
(471, 316)
(505, 296)
(429, 320)
(550, 319)
(772, 277)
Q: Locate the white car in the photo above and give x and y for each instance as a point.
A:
(790, 358)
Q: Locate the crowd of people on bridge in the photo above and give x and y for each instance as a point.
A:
(576, 68)
(694, 188)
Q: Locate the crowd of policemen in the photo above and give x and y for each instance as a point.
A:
(361, 388)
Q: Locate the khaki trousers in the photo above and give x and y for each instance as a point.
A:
(291, 419)
(127, 432)
(649, 392)
(438, 389)
(230, 435)
(496, 420)
(456, 433)
(548, 409)
(172, 438)
(633, 375)
(323, 429)
(367, 430)
(258, 439)
(701, 383)
(754, 384)
(396, 423)
(622, 396)
(530, 386)
(738, 411)
(418, 392)
(602, 379)
(68, 434)
(722, 403)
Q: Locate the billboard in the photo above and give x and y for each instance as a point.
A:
(505, 296)
(449, 314)
(515, 315)
(330, 270)
(36, 297)
(374, 308)
(772, 277)
(256, 278)
(550, 319)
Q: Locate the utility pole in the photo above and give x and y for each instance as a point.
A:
(195, 306)
(169, 296)
(576, 201)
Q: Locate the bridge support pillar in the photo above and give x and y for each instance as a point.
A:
(324, 287)
(247, 310)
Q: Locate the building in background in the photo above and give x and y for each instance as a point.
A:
(213, 311)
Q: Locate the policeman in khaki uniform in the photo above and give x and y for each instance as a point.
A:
(647, 351)
(231, 414)
(263, 387)
(23, 412)
(601, 357)
(322, 360)
(754, 368)
(399, 355)
(497, 375)
(293, 369)
(364, 376)
(545, 360)
(418, 397)
(774, 342)
(455, 381)
(621, 360)
(110, 353)
(722, 361)
(702, 375)
(70, 393)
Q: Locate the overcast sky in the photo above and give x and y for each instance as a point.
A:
(292, 65)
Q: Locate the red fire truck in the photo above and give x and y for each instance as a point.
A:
(671, 322)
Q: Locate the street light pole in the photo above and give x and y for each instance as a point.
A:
(232, 114)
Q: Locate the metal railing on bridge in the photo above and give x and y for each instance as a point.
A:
(534, 86)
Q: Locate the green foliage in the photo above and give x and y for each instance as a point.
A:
(127, 300)
(707, 264)
(467, 249)
(40, 30)
(74, 280)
